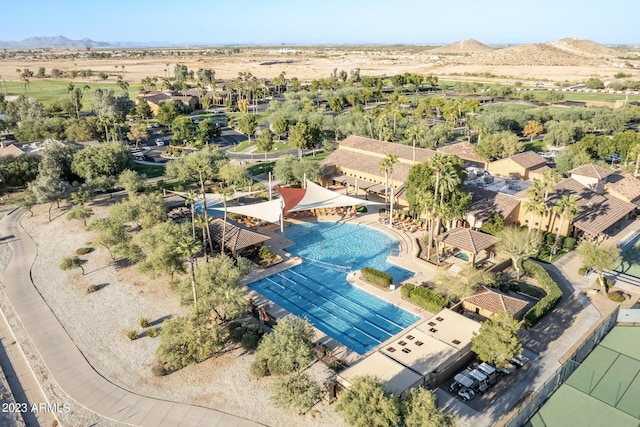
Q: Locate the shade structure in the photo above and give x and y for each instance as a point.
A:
(269, 211)
(317, 197)
(236, 236)
(467, 239)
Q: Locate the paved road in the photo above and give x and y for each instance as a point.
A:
(68, 366)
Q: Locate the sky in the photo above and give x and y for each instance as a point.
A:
(215, 22)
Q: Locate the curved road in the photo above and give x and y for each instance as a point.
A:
(68, 366)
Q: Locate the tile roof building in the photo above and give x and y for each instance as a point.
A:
(526, 165)
(486, 302)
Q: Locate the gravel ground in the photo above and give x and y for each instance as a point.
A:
(98, 321)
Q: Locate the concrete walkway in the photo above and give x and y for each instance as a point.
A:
(68, 366)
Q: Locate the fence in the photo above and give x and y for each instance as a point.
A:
(532, 402)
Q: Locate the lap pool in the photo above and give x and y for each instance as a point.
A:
(318, 291)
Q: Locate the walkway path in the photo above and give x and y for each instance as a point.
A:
(68, 366)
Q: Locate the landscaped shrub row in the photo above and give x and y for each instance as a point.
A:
(423, 297)
(550, 300)
(376, 277)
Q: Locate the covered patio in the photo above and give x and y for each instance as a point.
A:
(467, 244)
(237, 237)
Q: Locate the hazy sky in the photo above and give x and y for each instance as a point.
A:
(327, 21)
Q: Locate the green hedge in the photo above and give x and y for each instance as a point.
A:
(423, 297)
(376, 277)
(550, 300)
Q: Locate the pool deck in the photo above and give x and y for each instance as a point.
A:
(406, 259)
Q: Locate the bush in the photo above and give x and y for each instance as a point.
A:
(92, 288)
(265, 253)
(153, 332)
(549, 238)
(132, 334)
(569, 244)
(143, 322)
(582, 271)
(251, 339)
(616, 296)
(158, 370)
(544, 253)
(549, 301)
(83, 251)
(376, 277)
(259, 368)
(424, 297)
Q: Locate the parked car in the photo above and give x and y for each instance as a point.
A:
(455, 387)
(506, 370)
(159, 142)
(466, 393)
(519, 361)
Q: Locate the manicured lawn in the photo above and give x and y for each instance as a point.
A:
(149, 170)
(244, 145)
(535, 145)
(47, 91)
(258, 168)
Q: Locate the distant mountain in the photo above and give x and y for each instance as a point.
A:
(464, 46)
(57, 42)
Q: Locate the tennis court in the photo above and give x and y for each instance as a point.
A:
(604, 390)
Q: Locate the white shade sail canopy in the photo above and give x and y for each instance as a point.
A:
(318, 197)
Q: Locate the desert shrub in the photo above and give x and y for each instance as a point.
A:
(92, 288)
(376, 277)
(158, 370)
(616, 296)
(582, 271)
(259, 369)
(83, 251)
(143, 322)
(544, 253)
(153, 332)
(424, 297)
(608, 284)
(251, 339)
(132, 334)
(265, 253)
(569, 244)
(550, 300)
(299, 391)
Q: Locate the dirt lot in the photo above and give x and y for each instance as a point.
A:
(566, 60)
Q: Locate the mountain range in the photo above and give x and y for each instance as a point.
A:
(56, 42)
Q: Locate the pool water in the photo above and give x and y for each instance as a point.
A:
(318, 290)
(630, 258)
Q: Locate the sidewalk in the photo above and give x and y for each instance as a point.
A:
(68, 366)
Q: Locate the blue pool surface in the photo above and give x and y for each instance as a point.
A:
(318, 291)
(462, 256)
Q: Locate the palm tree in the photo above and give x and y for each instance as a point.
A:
(190, 200)
(386, 165)
(567, 208)
(188, 247)
(438, 162)
(550, 178)
(535, 204)
(201, 222)
(414, 132)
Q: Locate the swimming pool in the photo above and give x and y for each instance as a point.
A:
(317, 289)
(630, 258)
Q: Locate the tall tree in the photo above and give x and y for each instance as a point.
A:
(280, 125)
(420, 409)
(414, 132)
(248, 124)
(189, 246)
(366, 403)
(599, 256)
(550, 178)
(567, 208)
(199, 166)
(265, 142)
(386, 165)
(289, 348)
(497, 341)
(535, 204)
(300, 137)
(532, 129)
(518, 245)
(138, 132)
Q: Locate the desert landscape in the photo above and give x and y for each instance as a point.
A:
(563, 61)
